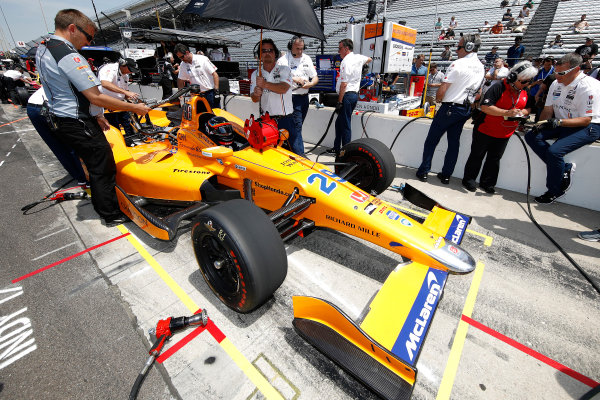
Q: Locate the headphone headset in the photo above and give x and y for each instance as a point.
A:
(266, 41)
(293, 39)
(469, 46)
(513, 75)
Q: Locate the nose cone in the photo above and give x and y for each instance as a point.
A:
(454, 258)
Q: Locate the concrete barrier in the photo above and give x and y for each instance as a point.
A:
(408, 150)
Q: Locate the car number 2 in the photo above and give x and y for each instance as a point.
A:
(325, 186)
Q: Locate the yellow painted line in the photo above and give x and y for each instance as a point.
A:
(487, 239)
(459, 338)
(242, 362)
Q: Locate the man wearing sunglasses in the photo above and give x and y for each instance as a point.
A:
(198, 70)
(72, 88)
(572, 115)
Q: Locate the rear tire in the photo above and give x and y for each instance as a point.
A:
(240, 254)
(376, 165)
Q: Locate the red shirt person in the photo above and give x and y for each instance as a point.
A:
(503, 100)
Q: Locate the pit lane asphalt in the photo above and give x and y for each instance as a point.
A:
(528, 292)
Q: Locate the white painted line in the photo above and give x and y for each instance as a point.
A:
(14, 145)
(8, 154)
(53, 251)
(53, 233)
(1, 162)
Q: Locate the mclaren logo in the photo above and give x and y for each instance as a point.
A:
(459, 230)
(415, 337)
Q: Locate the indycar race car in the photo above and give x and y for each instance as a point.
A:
(246, 195)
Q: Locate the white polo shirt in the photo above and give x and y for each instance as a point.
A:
(581, 98)
(275, 103)
(199, 72)
(302, 67)
(350, 72)
(465, 75)
(112, 73)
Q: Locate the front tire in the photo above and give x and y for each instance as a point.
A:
(240, 254)
(375, 165)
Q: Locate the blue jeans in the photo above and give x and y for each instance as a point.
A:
(567, 140)
(300, 102)
(65, 155)
(209, 95)
(287, 123)
(450, 118)
(343, 123)
(120, 119)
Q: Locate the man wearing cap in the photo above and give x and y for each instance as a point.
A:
(114, 78)
(588, 50)
(491, 56)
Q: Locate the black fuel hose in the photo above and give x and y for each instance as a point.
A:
(324, 134)
(405, 125)
(554, 242)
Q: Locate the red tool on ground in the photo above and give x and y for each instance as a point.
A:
(163, 332)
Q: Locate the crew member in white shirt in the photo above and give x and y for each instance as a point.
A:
(273, 90)
(572, 112)
(304, 76)
(114, 78)
(347, 88)
(457, 92)
(198, 70)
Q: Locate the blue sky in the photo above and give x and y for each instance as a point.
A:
(26, 22)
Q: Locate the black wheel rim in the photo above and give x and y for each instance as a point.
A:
(364, 175)
(218, 265)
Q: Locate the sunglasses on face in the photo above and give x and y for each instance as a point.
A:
(89, 37)
(268, 50)
(459, 47)
(563, 73)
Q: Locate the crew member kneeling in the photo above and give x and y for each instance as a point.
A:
(504, 99)
(572, 112)
(274, 88)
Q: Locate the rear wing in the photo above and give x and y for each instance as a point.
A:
(382, 350)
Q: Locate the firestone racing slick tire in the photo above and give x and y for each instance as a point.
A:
(240, 254)
(376, 165)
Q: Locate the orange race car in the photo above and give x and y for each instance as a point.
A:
(246, 195)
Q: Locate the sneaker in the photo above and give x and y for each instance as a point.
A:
(568, 177)
(591, 236)
(443, 178)
(488, 189)
(469, 185)
(116, 220)
(548, 198)
(422, 177)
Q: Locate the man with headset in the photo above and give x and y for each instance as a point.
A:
(304, 76)
(572, 115)
(114, 78)
(198, 70)
(273, 89)
(457, 92)
(504, 99)
(347, 88)
(71, 87)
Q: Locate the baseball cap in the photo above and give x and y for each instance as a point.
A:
(495, 47)
(132, 65)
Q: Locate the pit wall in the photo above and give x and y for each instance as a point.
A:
(408, 149)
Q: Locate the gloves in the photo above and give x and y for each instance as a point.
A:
(338, 107)
(217, 101)
(553, 123)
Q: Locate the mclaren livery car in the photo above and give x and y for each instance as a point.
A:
(246, 194)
